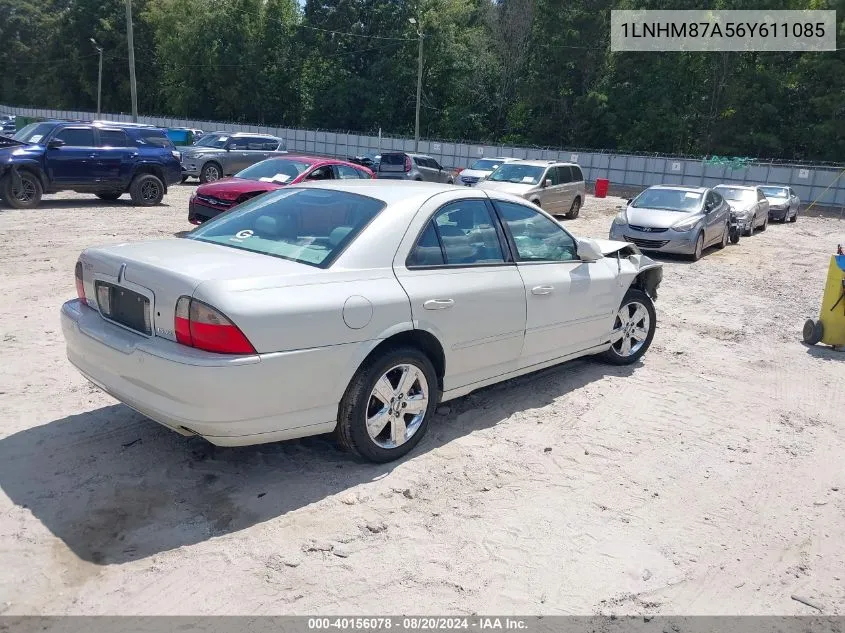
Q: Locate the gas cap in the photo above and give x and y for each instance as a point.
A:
(357, 312)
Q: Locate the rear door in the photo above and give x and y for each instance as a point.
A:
(456, 269)
(117, 155)
(392, 165)
(567, 188)
(425, 167)
(72, 163)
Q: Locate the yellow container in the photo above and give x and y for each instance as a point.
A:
(830, 326)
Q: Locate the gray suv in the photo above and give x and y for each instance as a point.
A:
(558, 188)
(404, 166)
(220, 154)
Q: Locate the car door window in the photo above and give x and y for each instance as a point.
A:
(551, 174)
(114, 138)
(717, 199)
(345, 172)
(710, 201)
(271, 145)
(77, 136)
(254, 143)
(321, 173)
(760, 195)
(564, 174)
(434, 164)
(536, 237)
(465, 233)
(577, 174)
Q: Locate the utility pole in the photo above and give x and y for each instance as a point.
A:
(133, 88)
(419, 84)
(99, 76)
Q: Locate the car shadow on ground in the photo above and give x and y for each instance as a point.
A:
(116, 487)
(83, 203)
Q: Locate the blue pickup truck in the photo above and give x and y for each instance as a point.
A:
(106, 159)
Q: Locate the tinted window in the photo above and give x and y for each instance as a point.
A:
(553, 175)
(237, 143)
(155, 137)
(114, 138)
(213, 140)
(77, 136)
(271, 145)
(309, 226)
(427, 252)
(717, 198)
(564, 174)
(346, 172)
(393, 159)
(467, 233)
(254, 143)
(577, 174)
(537, 238)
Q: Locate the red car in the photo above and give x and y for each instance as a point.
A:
(217, 197)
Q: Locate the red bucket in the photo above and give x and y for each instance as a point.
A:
(602, 185)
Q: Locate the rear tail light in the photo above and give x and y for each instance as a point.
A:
(203, 327)
(80, 285)
(407, 163)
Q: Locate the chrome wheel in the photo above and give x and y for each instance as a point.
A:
(630, 329)
(150, 191)
(397, 406)
(211, 173)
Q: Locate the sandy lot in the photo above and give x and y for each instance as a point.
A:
(708, 479)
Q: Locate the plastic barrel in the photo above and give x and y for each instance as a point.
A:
(602, 185)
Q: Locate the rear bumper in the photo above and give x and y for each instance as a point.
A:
(229, 400)
(390, 175)
(668, 241)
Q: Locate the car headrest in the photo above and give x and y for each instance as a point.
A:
(338, 234)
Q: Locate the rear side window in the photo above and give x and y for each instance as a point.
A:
(577, 174)
(157, 138)
(461, 234)
(564, 174)
(114, 138)
(345, 172)
(271, 145)
(77, 136)
(309, 226)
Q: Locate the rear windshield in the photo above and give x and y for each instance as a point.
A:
(741, 195)
(775, 192)
(309, 226)
(668, 200)
(278, 170)
(393, 159)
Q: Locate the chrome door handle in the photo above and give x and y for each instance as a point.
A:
(438, 304)
(542, 290)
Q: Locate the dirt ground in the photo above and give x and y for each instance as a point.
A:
(708, 479)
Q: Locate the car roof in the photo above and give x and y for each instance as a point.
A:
(680, 188)
(389, 193)
(546, 163)
(236, 134)
(725, 185)
(313, 160)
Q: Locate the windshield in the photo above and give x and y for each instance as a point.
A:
(522, 174)
(668, 200)
(34, 132)
(740, 195)
(775, 192)
(278, 170)
(212, 140)
(486, 164)
(309, 226)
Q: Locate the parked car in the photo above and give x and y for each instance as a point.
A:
(370, 161)
(559, 188)
(674, 219)
(221, 154)
(784, 203)
(107, 160)
(404, 166)
(8, 124)
(352, 306)
(214, 198)
(750, 204)
(481, 169)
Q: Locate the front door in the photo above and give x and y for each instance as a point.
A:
(71, 163)
(549, 192)
(464, 291)
(570, 303)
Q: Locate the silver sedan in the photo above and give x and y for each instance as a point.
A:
(349, 306)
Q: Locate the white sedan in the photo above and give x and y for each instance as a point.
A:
(351, 306)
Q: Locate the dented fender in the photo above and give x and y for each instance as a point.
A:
(635, 269)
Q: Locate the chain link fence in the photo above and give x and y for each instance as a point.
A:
(822, 183)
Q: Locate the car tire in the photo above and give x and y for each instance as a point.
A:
(111, 196)
(636, 304)
(26, 195)
(794, 218)
(765, 223)
(735, 236)
(146, 190)
(813, 332)
(750, 230)
(725, 238)
(210, 172)
(575, 209)
(699, 248)
(361, 404)
(184, 179)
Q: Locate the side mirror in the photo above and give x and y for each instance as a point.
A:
(630, 200)
(589, 251)
(56, 143)
(547, 182)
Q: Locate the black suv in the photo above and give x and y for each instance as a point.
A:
(103, 158)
